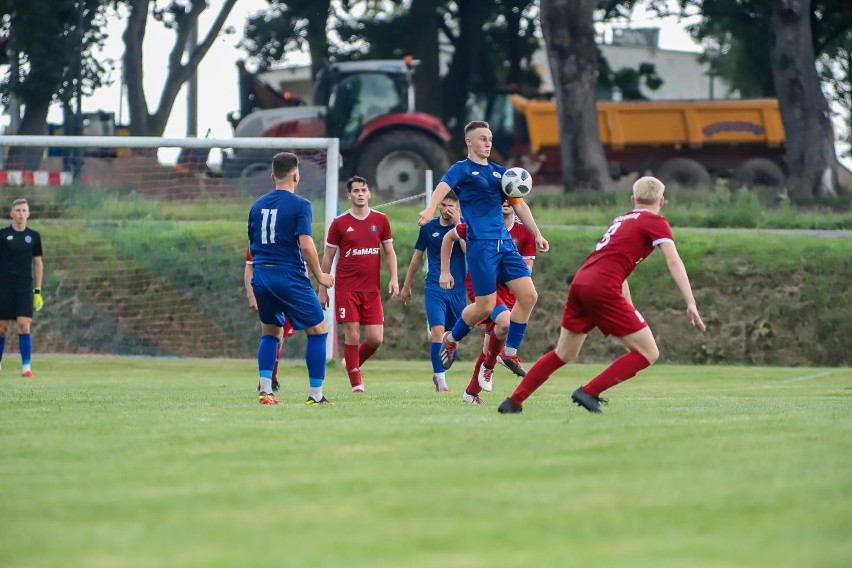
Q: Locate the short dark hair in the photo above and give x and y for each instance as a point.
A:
(474, 125)
(451, 195)
(355, 179)
(284, 164)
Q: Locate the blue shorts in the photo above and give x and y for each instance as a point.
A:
(443, 307)
(285, 295)
(491, 260)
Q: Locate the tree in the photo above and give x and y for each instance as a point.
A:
(767, 45)
(289, 26)
(811, 159)
(569, 35)
(51, 43)
(182, 18)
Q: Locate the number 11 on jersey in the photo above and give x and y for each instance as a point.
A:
(269, 217)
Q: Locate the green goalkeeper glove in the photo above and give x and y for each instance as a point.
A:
(38, 301)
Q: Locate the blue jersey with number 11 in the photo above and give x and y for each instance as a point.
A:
(274, 224)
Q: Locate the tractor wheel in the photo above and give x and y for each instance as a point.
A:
(395, 163)
(685, 173)
(759, 172)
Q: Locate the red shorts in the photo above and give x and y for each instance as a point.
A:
(359, 307)
(288, 329)
(589, 307)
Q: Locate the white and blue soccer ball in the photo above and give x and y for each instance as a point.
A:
(516, 182)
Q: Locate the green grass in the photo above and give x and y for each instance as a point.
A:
(165, 462)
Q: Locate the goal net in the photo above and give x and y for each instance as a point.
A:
(145, 238)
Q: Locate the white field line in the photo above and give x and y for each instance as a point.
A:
(806, 377)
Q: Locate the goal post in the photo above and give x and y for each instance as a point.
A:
(143, 236)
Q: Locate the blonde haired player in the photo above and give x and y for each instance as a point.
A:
(600, 297)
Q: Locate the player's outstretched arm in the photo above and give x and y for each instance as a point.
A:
(413, 267)
(390, 262)
(438, 196)
(678, 272)
(446, 279)
(522, 210)
(309, 252)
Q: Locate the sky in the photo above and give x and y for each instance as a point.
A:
(217, 74)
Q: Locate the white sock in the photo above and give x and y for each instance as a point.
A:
(266, 385)
(27, 367)
(359, 388)
(451, 339)
(441, 379)
(316, 393)
(510, 351)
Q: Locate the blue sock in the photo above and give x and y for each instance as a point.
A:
(2, 346)
(315, 359)
(25, 340)
(516, 334)
(267, 352)
(460, 330)
(498, 309)
(434, 350)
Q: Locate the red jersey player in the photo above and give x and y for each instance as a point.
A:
(359, 235)
(497, 323)
(600, 297)
(287, 330)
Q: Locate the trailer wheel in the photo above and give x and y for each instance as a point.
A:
(759, 172)
(685, 173)
(395, 163)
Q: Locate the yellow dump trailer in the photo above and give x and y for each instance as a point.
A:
(683, 141)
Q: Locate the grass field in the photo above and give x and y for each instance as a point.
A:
(125, 462)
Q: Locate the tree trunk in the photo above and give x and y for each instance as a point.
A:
(318, 35)
(423, 23)
(34, 122)
(456, 84)
(811, 158)
(567, 26)
(142, 122)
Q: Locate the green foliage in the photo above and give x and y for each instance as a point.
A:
(51, 49)
(155, 462)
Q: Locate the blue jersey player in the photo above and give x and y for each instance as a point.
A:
(281, 244)
(491, 254)
(443, 307)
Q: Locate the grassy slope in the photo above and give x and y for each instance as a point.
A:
(153, 462)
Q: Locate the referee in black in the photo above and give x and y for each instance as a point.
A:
(21, 271)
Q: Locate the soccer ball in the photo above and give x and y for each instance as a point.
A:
(516, 182)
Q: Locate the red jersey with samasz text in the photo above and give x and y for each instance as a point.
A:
(359, 244)
(627, 242)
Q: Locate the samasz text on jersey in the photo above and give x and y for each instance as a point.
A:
(362, 251)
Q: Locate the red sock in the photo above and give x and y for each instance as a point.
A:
(619, 371)
(473, 387)
(353, 363)
(365, 352)
(536, 376)
(495, 346)
(275, 368)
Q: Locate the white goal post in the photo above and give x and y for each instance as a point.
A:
(69, 152)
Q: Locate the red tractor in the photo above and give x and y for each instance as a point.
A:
(369, 106)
